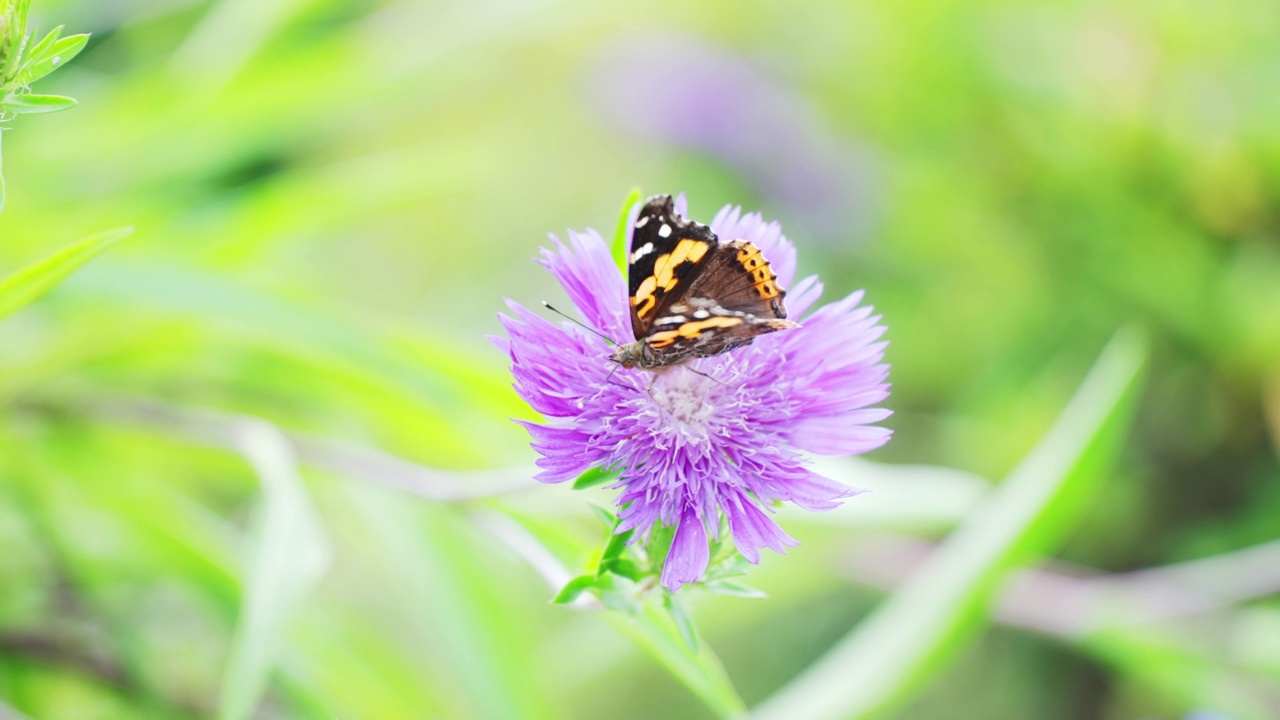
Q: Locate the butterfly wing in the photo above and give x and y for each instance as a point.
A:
(734, 298)
(739, 279)
(665, 250)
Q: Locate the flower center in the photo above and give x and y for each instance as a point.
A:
(682, 395)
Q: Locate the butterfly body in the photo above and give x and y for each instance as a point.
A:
(693, 295)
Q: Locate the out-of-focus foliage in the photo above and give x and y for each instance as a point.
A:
(332, 197)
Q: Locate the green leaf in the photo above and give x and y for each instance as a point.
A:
(289, 555)
(574, 588)
(1, 172)
(37, 51)
(619, 247)
(32, 281)
(596, 476)
(37, 104)
(615, 547)
(939, 609)
(55, 57)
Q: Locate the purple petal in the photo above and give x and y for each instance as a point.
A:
(815, 492)
(689, 554)
(840, 435)
(752, 529)
(802, 296)
(594, 284)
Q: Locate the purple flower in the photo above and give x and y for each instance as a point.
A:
(733, 440)
(734, 109)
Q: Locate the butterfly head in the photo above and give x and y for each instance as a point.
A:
(633, 355)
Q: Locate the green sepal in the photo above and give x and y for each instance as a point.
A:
(574, 588)
(619, 247)
(596, 476)
(660, 539)
(727, 566)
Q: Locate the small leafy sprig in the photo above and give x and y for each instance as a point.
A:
(626, 575)
(23, 60)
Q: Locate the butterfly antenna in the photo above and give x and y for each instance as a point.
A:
(577, 322)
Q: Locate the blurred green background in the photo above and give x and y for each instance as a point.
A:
(333, 197)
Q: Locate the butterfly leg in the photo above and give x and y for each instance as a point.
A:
(709, 377)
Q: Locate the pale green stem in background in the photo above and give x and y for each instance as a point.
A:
(936, 611)
(289, 554)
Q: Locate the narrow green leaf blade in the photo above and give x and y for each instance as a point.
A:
(53, 58)
(939, 609)
(29, 283)
(594, 477)
(37, 51)
(625, 218)
(573, 589)
(615, 547)
(38, 104)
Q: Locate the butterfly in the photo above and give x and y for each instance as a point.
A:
(693, 295)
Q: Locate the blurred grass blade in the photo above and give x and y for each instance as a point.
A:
(1, 172)
(936, 611)
(32, 281)
(701, 672)
(453, 601)
(289, 554)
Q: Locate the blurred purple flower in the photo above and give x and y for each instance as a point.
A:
(681, 90)
(692, 446)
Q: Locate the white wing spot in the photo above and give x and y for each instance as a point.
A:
(664, 231)
(701, 314)
(642, 221)
(642, 251)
